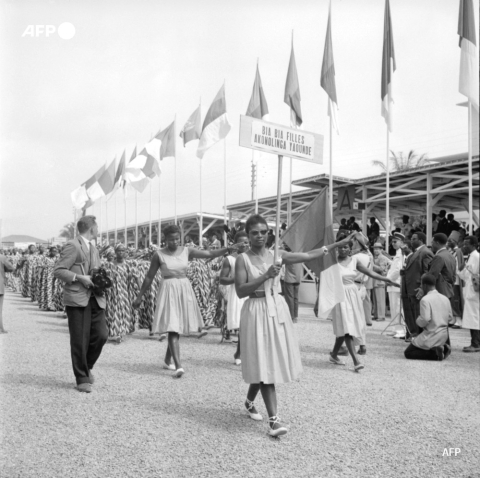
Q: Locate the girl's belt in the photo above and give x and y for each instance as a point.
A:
(256, 295)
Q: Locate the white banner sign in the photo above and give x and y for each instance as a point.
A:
(281, 140)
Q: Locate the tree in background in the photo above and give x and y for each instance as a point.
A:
(68, 231)
(401, 162)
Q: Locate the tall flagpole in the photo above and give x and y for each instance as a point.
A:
(150, 224)
(330, 182)
(200, 232)
(225, 190)
(159, 236)
(101, 222)
(106, 219)
(279, 206)
(255, 178)
(175, 171)
(115, 224)
(125, 213)
(387, 207)
(470, 172)
(136, 219)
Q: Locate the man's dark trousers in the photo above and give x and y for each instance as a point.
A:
(88, 335)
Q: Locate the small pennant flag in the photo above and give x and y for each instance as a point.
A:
(388, 67)
(193, 127)
(468, 83)
(327, 77)
(292, 92)
(216, 125)
(257, 108)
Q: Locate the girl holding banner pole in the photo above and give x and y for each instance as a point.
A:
(270, 351)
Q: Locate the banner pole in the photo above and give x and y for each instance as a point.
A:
(150, 221)
(387, 207)
(175, 171)
(125, 214)
(159, 236)
(256, 180)
(279, 206)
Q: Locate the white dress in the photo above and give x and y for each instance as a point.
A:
(471, 309)
(234, 303)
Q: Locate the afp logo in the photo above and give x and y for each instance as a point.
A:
(66, 31)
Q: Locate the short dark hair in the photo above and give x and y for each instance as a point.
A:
(450, 216)
(442, 213)
(352, 218)
(373, 219)
(85, 223)
(472, 240)
(421, 236)
(172, 229)
(428, 279)
(441, 238)
(253, 220)
(239, 235)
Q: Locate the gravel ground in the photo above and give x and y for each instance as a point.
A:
(393, 420)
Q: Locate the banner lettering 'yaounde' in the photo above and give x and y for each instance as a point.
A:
(282, 140)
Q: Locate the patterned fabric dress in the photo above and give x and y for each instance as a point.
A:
(45, 301)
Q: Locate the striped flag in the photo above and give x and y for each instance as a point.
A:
(106, 180)
(292, 93)
(317, 220)
(167, 137)
(193, 127)
(119, 181)
(216, 125)
(327, 77)
(94, 190)
(468, 84)
(257, 108)
(145, 165)
(388, 67)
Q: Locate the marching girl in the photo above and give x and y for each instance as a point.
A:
(177, 312)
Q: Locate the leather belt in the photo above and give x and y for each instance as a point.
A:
(257, 295)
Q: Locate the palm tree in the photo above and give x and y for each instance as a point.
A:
(401, 162)
(68, 231)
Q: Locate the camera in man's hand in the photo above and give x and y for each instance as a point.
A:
(100, 280)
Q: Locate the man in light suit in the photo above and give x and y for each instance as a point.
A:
(415, 267)
(394, 275)
(84, 305)
(435, 315)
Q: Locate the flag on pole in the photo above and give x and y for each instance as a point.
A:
(468, 84)
(216, 125)
(316, 218)
(257, 108)
(119, 181)
(327, 77)
(94, 190)
(79, 197)
(292, 92)
(145, 165)
(388, 67)
(106, 180)
(193, 127)
(167, 137)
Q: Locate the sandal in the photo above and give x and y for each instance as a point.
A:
(178, 373)
(250, 406)
(335, 361)
(274, 428)
(359, 367)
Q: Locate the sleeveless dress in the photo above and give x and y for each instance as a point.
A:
(234, 303)
(270, 351)
(177, 309)
(348, 316)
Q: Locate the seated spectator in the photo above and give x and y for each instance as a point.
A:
(435, 314)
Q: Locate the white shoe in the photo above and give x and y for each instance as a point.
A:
(178, 373)
(254, 416)
(167, 366)
(237, 362)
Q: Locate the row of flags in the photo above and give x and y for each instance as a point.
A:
(145, 166)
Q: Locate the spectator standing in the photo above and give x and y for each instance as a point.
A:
(443, 266)
(469, 273)
(452, 225)
(381, 264)
(394, 276)
(5, 266)
(292, 280)
(352, 225)
(442, 222)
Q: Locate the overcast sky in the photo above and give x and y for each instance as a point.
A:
(67, 106)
